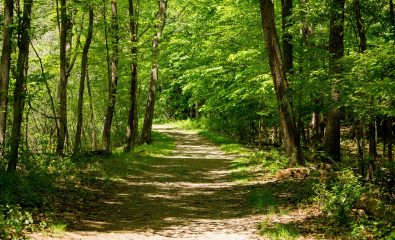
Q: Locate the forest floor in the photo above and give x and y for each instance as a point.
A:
(191, 194)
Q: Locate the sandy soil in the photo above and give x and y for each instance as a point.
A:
(188, 195)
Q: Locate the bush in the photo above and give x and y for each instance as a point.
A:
(14, 223)
(273, 160)
(340, 195)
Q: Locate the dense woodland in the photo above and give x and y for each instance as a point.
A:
(315, 78)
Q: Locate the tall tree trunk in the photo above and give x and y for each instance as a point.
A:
(372, 149)
(360, 26)
(149, 112)
(114, 78)
(20, 83)
(92, 114)
(64, 57)
(291, 139)
(84, 67)
(392, 15)
(372, 125)
(391, 136)
(336, 51)
(287, 37)
(5, 69)
(131, 130)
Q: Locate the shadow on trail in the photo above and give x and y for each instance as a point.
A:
(191, 186)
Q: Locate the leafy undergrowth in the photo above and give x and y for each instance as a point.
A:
(52, 191)
(314, 207)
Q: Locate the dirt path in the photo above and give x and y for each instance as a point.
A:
(188, 195)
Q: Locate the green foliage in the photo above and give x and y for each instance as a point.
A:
(14, 222)
(272, 160)
(339, 196)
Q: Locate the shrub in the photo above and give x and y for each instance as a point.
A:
(339, 196)
(14, 223)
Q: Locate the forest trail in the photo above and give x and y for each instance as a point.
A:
(188, 195)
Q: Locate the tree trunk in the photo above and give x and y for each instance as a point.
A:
(360, 25)
(291, 139)
(372, 149)
(92, 114)
(20, 83)
(112, 91)
(391, 137)
(372, 126)
(131, 130)
(359, 136)
(287, 37)
(392, 15)
(5, 69)
(336, 51)
(149, 112)
(84, 66)
(64, 57)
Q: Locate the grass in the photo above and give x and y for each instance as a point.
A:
(278, 231)
(58, 228)
(121, 164)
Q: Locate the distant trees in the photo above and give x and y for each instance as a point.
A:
(324, 73)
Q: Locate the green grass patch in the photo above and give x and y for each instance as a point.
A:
(162, 146)
(58, 227)
(121, 164)
(278, 231)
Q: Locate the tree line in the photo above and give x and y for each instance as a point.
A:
(304, 74)
(73, 32)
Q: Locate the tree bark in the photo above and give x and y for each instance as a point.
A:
(20, 84)
(291, 139)
(287, 37)
(114, 78)
(92, 114)
(392, 15)
(360, 26)
(149, 112)
(131, 130)
(5, 69)
(336, 51)
(64, 57)
(84, 67)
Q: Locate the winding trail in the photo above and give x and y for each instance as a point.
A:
(188, 195)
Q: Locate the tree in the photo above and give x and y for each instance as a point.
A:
(66, 27)
(112, 91)
(20, 83)
(131, 129)
(336, 51)
(149, 112)
(84, 69)
(291, 139)
(392, 16)
(5, 69)
(287, 37)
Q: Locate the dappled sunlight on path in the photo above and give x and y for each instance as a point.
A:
(188, 195)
